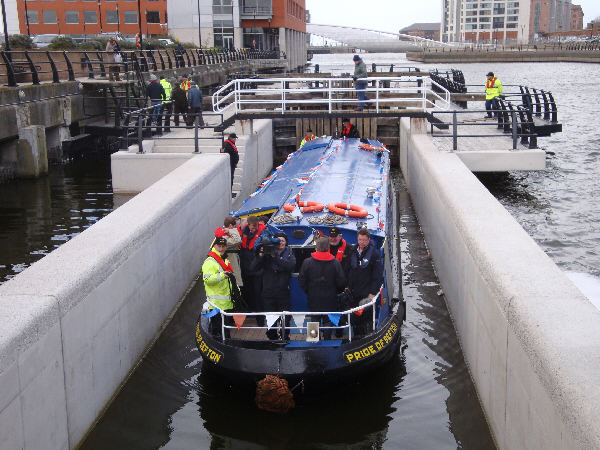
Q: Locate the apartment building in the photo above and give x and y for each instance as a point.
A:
(261, 24)
(79, 17)
(504, 21)
(576, 17)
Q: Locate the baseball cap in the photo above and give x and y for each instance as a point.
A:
(220, 241)
(334, 232)
(233, 136)
(356, 58)
(490, 74)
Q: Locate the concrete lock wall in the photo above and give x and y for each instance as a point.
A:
(75, 323)
(530, 338)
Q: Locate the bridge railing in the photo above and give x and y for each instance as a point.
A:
(332, 94)
(37, 66)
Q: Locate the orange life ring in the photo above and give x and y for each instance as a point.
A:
(343, 209)
(305, 207)
(137, 41)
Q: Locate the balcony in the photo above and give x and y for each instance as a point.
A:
(256, 9)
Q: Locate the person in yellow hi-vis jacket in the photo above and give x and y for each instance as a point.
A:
(493, 90)
(216, 274)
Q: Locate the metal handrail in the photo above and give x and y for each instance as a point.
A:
(334, 91)
(57, 66)
(284, 314)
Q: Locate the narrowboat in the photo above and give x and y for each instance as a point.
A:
(328, 182)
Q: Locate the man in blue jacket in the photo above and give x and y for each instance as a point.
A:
(194, 97)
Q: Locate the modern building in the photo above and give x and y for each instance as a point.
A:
(576, 17)
(12, 18)
(505, 21)
(92, 16)
(423, 30)
(260, 24)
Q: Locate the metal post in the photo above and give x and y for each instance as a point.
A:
(199, 29)
(100, 15)
(377, 95)
(140, 135)
(454, 131)
(27, 19)
(196, 124)
(140, 23)
(515, 135)
(118, 19)
(6, 44)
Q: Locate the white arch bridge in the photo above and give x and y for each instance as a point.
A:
(372, 40)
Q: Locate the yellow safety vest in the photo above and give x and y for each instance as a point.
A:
(216, 284)
(168, 88)
(304, 141)
(493, 88)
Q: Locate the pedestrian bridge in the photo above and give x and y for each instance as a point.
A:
(373, 40)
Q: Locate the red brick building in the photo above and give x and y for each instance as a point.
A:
(576, 17)
(423, 30)
(92, 16)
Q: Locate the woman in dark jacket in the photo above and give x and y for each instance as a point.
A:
(179, 103)
(277, 267)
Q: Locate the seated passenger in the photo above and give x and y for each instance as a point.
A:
(216, 272)
(321, 277)
(365, 277)
(232, 236)
(277, 263)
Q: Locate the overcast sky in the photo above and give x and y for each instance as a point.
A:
(392, 15)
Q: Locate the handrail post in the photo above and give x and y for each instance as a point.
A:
(454, 131)
(89, 64)
(283, 84)
(55, 77)
(196, 124)
(554, 114)
(10, 73)
(546, 106)
(140, 136)
(34, 73)
(329, 94)
(102, 71)
(515, 135)
(377, 95)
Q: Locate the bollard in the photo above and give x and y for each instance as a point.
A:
(140, 134)
(196, 124)
(454, 131)
(317, 68)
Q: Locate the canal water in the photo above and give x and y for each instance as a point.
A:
(424, 398)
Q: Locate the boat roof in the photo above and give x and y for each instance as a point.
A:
(326, 170)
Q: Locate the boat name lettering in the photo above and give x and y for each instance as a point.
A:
(208, 352)
(374, 347)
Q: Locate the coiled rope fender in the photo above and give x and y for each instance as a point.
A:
(344, 209)
(273, 394)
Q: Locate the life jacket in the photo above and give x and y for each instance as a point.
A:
(250, 245)
(340, 251)
(226, 266)
(232, 144)
(305, 140)
(185, 85)
(493, 88)
(346, 130)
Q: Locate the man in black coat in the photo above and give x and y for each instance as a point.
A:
(321, 277)
(365, 277)
(252, 278)
(230, 148)
(339, 248)
(349, 130)
(277, 264)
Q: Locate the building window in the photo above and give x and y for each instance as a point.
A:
(152, 17)
(72, 16)
(32, 16)
(223, 32)
(90, 17)
(130, 17)
(49, 16)
(222, 7)
(111, 17)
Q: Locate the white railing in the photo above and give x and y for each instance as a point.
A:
(283, 314)
(285, 94)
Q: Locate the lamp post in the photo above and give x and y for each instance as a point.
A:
(147, 35)
(199, 31)
(140, 23)
(6, 44)
(118, 20)
(27, 18)
(100, 16)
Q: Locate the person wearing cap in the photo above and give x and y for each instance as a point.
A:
(231, 234)
(185, 84)
(194, 98)
(179, 104)
(365, 275)
(493, 90)
(167, 106)
(339, 248)
(349, 130)
(156, 93)
(360, 81)
(216, 274)
(321, 277)
(230, 148)
(277, 264)
(308, 136)
(250, 233)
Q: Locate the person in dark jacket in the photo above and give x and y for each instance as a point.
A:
(179, 103)
(321, 277)
(156, 93)
(365, 277)
(277, 264)
(349, 130)
(252, 278)
(230, 148)
(194, 98)
(339, 248)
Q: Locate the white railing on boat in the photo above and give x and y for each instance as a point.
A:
(283, 314)
(281, 94)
